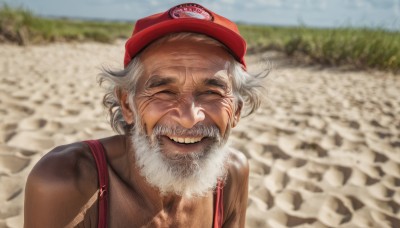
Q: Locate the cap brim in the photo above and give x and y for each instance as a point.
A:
(224, 35)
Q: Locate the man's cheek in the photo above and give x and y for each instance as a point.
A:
(151, 110)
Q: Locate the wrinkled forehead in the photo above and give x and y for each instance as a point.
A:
(185, 63)
(175, 40)
(182, 75)
(186, 55)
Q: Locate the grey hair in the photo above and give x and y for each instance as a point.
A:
(247, 89)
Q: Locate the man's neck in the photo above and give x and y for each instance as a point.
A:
(150, 194)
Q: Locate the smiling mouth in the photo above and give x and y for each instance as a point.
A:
(185, 140)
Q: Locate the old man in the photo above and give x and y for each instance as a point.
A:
(183, 87)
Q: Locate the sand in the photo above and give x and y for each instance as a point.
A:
(324, 149)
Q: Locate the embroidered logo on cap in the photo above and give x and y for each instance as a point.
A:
(190, 10)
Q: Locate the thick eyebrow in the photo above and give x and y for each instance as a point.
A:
(216, 82)
(157, 81)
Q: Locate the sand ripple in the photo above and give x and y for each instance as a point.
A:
(324, 149)
(49, 97)
(337, 159)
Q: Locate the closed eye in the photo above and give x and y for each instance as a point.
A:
(212, 92)
(167, 91)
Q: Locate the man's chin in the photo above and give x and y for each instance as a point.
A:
(186, 170)
(186, 176)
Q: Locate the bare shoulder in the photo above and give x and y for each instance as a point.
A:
(238, 170)
(59, 185)
(235, 190)
(64, 165)
(237, 162)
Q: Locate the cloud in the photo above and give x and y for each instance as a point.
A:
(279, 12)
(382, 4)
(228, 1)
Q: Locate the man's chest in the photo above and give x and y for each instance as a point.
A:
(133, 213)
(130, 209)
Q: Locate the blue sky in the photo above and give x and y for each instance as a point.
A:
(316, 13)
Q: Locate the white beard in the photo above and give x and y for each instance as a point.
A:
(192, 175)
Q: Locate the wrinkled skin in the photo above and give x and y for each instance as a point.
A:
(184, 84)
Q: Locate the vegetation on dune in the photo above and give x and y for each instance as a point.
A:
(361, 48)
(22, 27)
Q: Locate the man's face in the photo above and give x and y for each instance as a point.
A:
(184, 85)
(184, 112)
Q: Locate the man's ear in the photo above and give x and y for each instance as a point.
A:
(238, 111)
(127, 113)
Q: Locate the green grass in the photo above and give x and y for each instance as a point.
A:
(361, 48)
(21, 26)
(357, 47)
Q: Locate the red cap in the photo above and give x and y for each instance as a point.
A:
(188, 17)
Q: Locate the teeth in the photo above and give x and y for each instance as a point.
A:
(186, 140)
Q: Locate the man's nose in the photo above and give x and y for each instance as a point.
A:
(190, 114)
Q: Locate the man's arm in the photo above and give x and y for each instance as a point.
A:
(55, 190)
(236, 191)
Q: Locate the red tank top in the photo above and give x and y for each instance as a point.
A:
(98, 153)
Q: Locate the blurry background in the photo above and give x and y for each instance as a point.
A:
(359, 33)
(315, 13)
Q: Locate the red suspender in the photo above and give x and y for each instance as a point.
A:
(219, 205)
(99, 155)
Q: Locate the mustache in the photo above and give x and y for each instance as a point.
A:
(198, 130)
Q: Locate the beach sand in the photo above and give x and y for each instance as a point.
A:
(324, 149)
